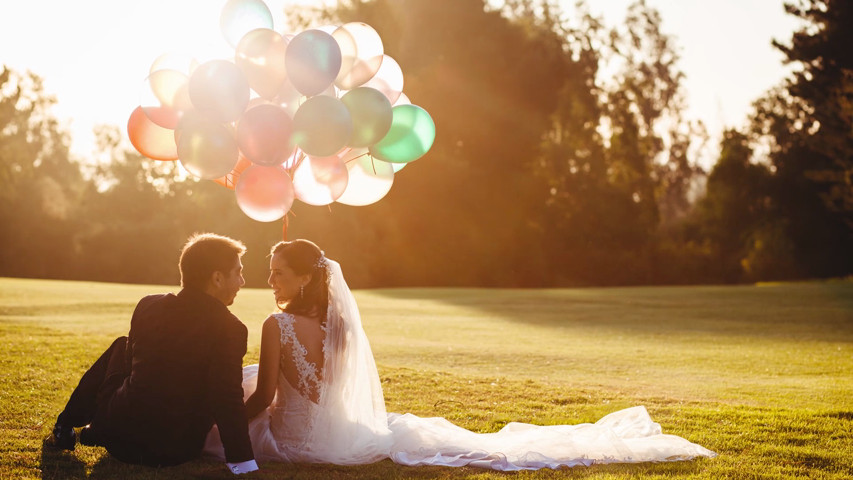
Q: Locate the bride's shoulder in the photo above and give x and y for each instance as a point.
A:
(280, 316)
(284, 319)
(278, 320)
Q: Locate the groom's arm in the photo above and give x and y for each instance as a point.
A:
(263, 395)
(226, 381)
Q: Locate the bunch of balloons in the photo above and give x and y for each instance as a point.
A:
(319, 116)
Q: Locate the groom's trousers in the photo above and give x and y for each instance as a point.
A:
(90, 403)
(96, 387)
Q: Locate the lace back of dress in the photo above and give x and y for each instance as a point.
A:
(308, 380)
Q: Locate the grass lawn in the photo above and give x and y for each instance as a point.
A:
(763, 375)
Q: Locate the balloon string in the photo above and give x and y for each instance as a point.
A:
(373, 164)
(284, 228)
(356, 158)
(296, 162)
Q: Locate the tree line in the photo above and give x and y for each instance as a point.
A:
(563, 157)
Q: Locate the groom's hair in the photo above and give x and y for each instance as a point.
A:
(205, 253)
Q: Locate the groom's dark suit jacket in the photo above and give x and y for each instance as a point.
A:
(181, 373)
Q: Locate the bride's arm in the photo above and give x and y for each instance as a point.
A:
(267, 368)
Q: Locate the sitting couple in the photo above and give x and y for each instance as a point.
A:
(174, 389)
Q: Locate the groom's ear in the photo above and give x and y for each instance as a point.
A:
(217, 278)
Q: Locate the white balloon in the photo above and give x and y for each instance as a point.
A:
(361, 51)
(402, 100)
(369, 179)
(320, 180)
(388, 80)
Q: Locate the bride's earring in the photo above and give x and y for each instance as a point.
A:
(301, 291)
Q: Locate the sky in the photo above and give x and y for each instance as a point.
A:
(94, 55)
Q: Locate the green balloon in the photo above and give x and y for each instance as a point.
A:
(410, 137)
(371, 115)
(322, 126)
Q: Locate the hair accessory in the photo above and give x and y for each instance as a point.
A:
(321, 262)
(301, 291)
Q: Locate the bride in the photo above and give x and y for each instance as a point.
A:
(315, 395)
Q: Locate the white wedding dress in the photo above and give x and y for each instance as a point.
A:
(348, 425)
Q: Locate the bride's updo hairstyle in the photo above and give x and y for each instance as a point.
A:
(305, 257)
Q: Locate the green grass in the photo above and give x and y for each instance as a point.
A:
(763, 375)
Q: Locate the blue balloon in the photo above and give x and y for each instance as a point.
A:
(312, 60)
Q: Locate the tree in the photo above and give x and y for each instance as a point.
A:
(736, 204)
(819, 235)
(618, 151)
(41, 183)
(808, 126)
(823, 85)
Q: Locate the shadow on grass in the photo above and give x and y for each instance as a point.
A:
(59, 464)
(56, 465)
(815, 310)
(66, 465)
(389, 469)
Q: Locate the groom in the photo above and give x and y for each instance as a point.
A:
(153, 395)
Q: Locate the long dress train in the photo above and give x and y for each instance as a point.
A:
(349, 425)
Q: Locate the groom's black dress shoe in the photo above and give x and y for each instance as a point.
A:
(61, 438)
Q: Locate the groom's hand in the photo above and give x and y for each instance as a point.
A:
(242, 467)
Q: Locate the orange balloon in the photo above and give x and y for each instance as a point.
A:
(230, 180)
(150, 139)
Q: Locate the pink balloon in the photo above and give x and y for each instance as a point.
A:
(320, 180)
(264, 194)
(263, 134)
